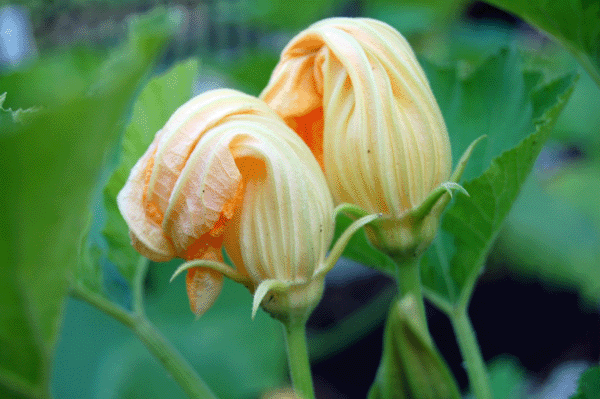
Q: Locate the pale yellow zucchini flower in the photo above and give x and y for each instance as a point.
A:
(225, 170)
(356, 94)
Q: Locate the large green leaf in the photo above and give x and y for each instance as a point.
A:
(159, 99)
(574, 23)
(517, 113)
(49, 167)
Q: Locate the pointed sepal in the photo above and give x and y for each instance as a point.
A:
(341, 243)
(264, 288)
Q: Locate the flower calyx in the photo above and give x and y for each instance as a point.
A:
(408, 236)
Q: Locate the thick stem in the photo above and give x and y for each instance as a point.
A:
(469, 348)
(179, 368)
(408, 278)
(295, 338)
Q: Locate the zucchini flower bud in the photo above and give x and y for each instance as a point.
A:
(356, 94)
(225, 170)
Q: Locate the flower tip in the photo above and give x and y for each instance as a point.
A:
(449, 186)
(203, 288)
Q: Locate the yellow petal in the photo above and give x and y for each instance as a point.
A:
(380, 134)
(285, 225)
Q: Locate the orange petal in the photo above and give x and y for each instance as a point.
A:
(146, 234)
(205, 195)
(183, 131)
(203, 288)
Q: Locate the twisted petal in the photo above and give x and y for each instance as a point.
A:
(354, 86)
(174, 207)
(226, 169)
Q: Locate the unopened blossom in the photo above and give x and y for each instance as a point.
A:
(226, 171)
(355, 92)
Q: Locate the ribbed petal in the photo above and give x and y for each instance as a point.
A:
(383, 143)
(285, 225)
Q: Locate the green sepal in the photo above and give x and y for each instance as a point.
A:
(411, 366)
(263, 289)
(220, 267)
(363, 219)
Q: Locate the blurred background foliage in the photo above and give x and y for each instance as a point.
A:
(535, 308)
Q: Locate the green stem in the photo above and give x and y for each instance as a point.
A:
(408, 278)
(295, 338)
(469, 348)
(179, 368)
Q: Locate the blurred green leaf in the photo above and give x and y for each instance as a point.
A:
(589, 384)
(50, 166)
(155, 104)
(574, 23)
(414, 16)
(10, 118)
(580, 186)
(579, 123)
(287, 15)
(89, 269)
(507, 378)
(252, 71)
(548, 238)
(38, 85)
(517, 114)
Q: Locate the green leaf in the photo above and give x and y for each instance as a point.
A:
(37, 85)
(563, 249)
(589, 384)
(89, 270)
(573, 23)
(8, 117)
(156, 103)
(517, 113)
(414, 16)
(286, 15)
(49, 168)
(507, 378)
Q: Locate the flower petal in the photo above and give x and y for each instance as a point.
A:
(146, 234)
(203, 287)
(366, 96)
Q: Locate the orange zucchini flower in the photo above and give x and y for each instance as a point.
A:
(356, 94)
(225, 170)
